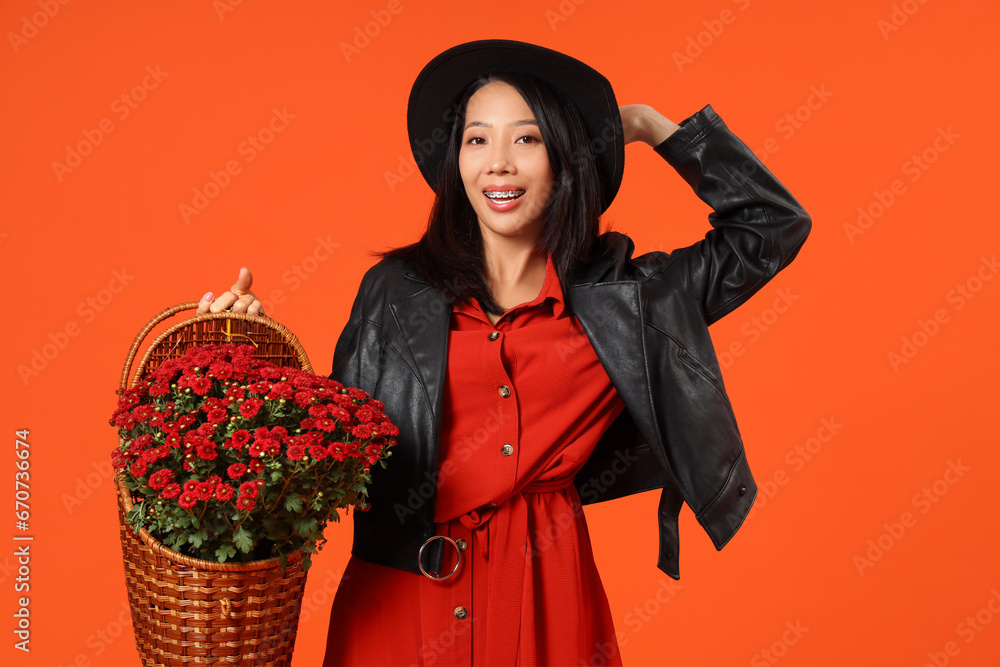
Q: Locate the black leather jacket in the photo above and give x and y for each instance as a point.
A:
(647, 318)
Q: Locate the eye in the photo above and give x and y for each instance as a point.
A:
(529, 139)
(475, 140)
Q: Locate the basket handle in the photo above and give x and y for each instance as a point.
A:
(169, 312)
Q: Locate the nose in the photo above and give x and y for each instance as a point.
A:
(499, 160)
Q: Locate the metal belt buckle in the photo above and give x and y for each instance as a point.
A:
(420, 557)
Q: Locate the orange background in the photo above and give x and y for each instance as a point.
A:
(881, 93)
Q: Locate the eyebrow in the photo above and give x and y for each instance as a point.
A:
(516, 123)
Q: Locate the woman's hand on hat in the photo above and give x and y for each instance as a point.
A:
(641, 122)
(239, 298)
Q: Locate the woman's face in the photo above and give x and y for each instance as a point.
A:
(504, 164)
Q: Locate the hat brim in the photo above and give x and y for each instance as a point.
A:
(437, 90)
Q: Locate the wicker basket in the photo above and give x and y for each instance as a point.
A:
(187, 611)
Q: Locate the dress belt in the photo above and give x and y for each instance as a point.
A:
(508, 523)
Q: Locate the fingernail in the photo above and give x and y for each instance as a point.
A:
(207, 297)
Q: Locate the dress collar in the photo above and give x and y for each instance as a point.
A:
(551, 289)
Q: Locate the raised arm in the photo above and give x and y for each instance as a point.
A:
(757, 226)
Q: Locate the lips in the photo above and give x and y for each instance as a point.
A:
(502, 197)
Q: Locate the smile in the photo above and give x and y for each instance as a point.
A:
(503, 195)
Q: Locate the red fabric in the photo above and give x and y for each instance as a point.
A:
(527, 577)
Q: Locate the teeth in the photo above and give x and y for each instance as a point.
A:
(505, 194)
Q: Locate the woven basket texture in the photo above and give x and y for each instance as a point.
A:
(187, 611)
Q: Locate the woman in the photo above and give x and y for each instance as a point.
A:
(534, 366)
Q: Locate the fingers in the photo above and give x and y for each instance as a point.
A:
(245, 302)
(239, 299)
(205, 303)
(243, 283)
(224, 302)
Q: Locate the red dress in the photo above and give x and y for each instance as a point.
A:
(525, 403)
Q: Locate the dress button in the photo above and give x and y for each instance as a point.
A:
(491, 506)
(462, 544)
(507, 450)
(504, 391)
(494, 335)
(743, 489)
(461, 612)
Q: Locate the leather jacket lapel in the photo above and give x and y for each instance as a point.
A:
(422, 320)
(609, 314)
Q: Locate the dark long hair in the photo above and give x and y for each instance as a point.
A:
(449, 256)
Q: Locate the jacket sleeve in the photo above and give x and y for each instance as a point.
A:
(347, 354)
(757, 226)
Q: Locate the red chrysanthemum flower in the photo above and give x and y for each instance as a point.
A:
(187, 500)
(244, 503)
(207, 451)
(280, 390)
(224, 492)
(256, 465)
(373, 451)
(318, 410)
(387, 429)
(118, 460)
(159, 388)
(296, 452)
(318, 452)
(366, 413)
(304, 399)
(236, 470)
(249, 407)
(221, 369)
(170, 491)
(337, 451)
(161, 478)
(205, 490)
(249, 488)
(363, 431)
(207, 430)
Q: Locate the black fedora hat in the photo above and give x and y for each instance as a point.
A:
(437, 90)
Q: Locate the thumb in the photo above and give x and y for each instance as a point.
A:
(243, 283)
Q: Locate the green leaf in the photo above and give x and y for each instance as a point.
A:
(243, 540)
(293, 503)
(305, 526)
(276, 475)
(224, 552)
